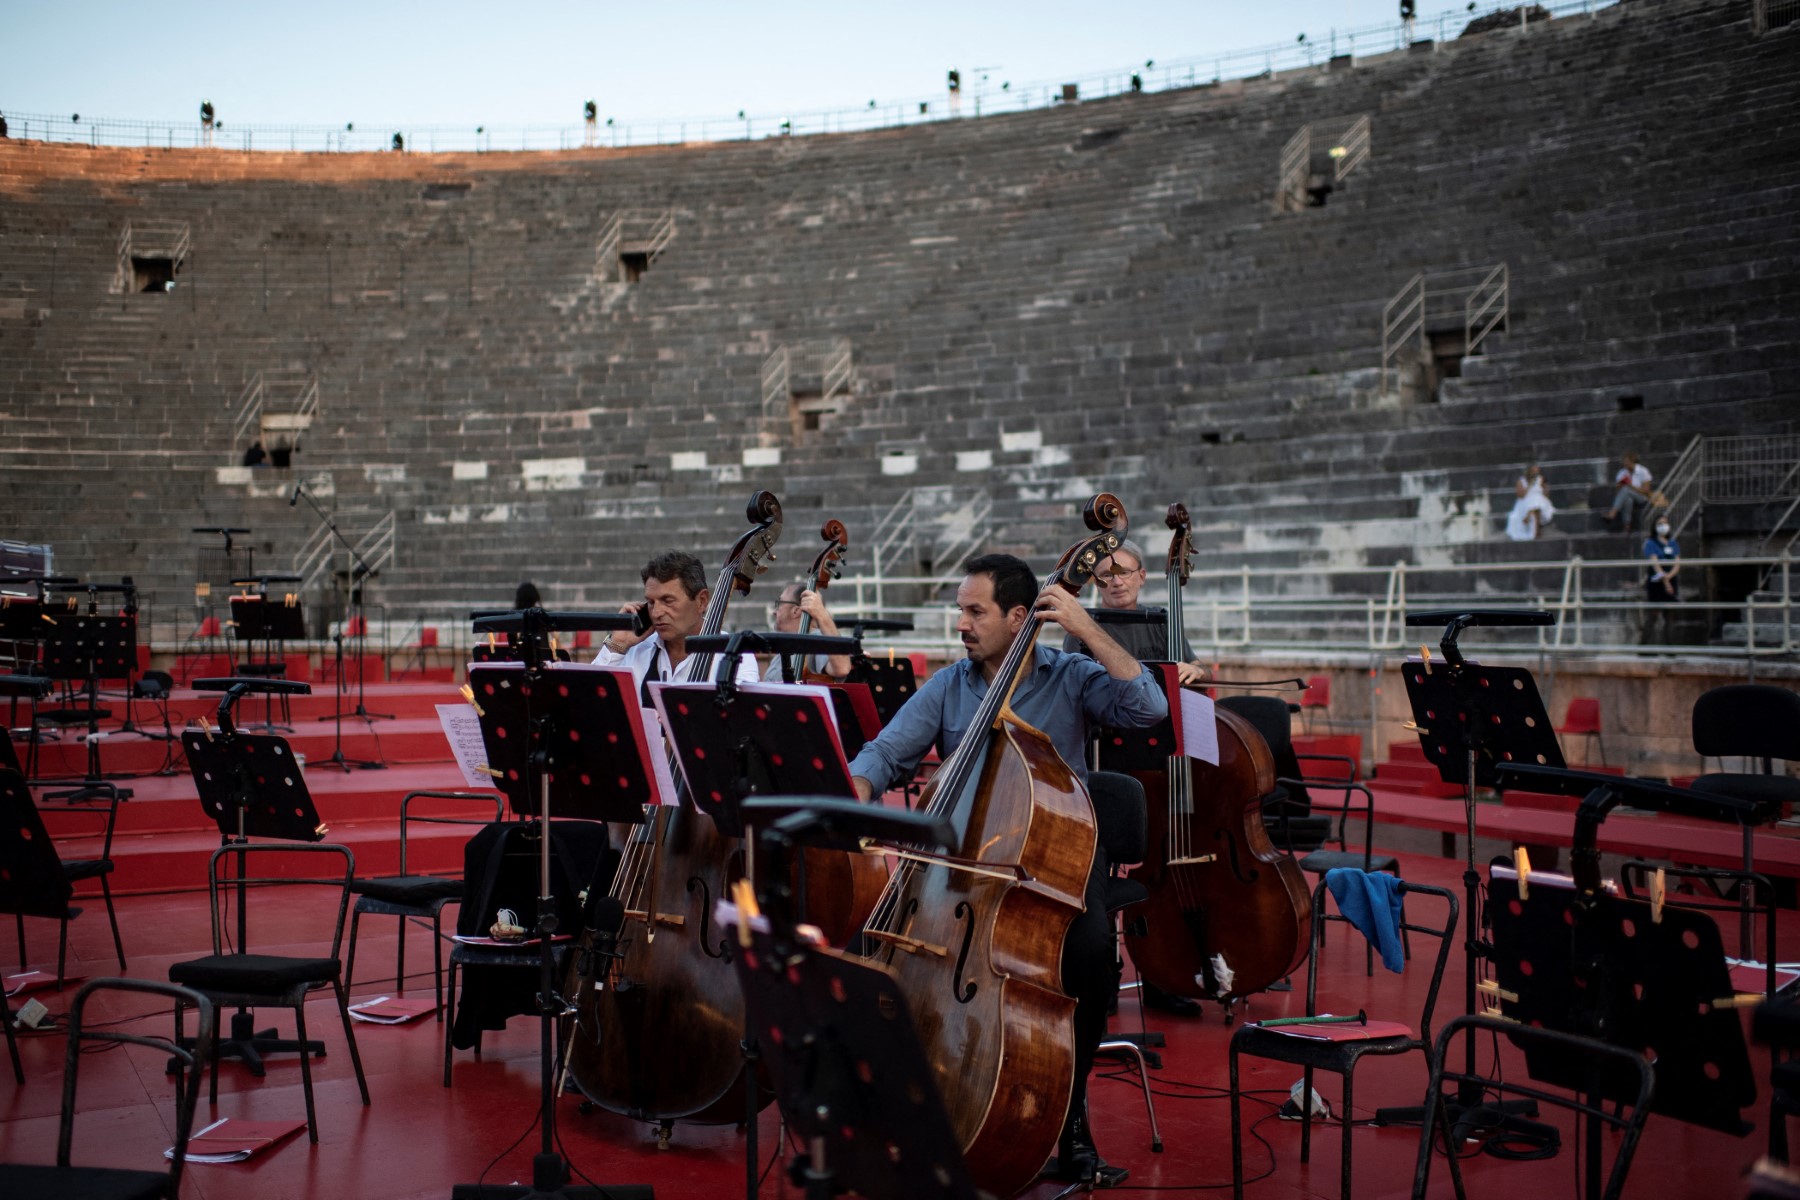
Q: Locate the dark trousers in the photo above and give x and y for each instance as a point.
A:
(1090, 972)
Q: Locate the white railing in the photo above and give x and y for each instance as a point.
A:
(149, 239)
(1599, 606)
(631, 231)
(1347, 143)
(990, 97)
(776, 385)
(838, 370)
(299, 390)
(1477, 298)
(1681, 486)
(376, 545)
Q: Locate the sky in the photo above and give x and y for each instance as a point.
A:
(456, 63)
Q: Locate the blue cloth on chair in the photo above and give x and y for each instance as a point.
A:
(1372, 901)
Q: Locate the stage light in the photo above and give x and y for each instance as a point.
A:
(590, 110)
(955, 80)
(1408, 9)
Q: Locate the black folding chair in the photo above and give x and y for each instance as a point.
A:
(1338, 1057)
(37, 882)
(1611, 1062)
(410, 897)
(112, 1183)
(237, 978)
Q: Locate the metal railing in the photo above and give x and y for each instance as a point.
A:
(828, 360)
(982, 96)
(302, 386)
(1478, 298)
(1347, 142)
(1766, 15)
(376, 544)
(631, 231)
(149, 239)
(1682, 485)
(1600, 609)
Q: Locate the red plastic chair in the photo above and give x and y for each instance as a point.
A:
(428, 637)
(357, 627)
(584, 639)
(209, 628)
(1583, 718)
(1316, 695)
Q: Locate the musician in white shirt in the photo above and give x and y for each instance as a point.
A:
(676, 597)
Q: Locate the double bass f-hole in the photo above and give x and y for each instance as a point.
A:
(1238, 871)
(723, 953)
(966, 915)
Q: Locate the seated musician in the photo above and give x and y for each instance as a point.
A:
(676, 595)
(1119, 580)
(796, 601)
(1064, 695)
(1146, 643)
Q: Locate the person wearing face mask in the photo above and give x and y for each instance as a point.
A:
(1660, 585)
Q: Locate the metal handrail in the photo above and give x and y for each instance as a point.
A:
(1312, 51)
(1484, 308)
(1681, 488)
(1396, 331)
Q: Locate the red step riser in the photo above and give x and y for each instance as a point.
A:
(127, 754)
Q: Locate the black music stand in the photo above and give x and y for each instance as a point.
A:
(854, 703)
(847, 1069)
(91, 647)
(256, 618)
(891, 683)
(546, 730)
(251, 786)
(1469, 718)
(722, 734)
(1572, 957)
(15, 688)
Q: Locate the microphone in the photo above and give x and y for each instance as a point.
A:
(295, 498)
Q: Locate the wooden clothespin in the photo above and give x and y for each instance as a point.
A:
(745, 896)
(1657, 893)
(553, 643)
(469, 695)
(1740, 1000)
(490, 772)
(1522, 864)
(493, 640)
(1425, 658)
(890, 656)
(1491, 987)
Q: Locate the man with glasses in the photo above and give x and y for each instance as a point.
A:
(796, 601)
(1119, 580)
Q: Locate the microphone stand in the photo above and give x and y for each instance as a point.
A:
(360, 571)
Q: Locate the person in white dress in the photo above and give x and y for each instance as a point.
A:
(1532, 510)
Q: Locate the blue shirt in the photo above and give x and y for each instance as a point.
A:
(1063, 695)
(1662, 553)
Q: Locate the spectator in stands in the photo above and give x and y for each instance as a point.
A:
(527, 596)
(1633, 481)
(1532, 510)
(1660, 585)
(206, 122)
(2, 125)
(254, 456)
(796, 601)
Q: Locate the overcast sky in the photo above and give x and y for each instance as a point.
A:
(455, 63)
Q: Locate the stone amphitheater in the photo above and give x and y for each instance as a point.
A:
(549, 365)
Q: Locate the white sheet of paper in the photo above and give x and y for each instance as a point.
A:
(1199, 727)
(666, 792)
(462, 729)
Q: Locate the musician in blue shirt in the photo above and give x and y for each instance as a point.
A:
(1063, 695)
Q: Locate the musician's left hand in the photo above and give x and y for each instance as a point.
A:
(1056, 603)
(1192, 674)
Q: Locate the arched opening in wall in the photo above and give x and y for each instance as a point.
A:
(632, 265)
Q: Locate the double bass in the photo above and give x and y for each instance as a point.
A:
(1228, 913)
(974, 938)
(661, 1041)
(841, 888)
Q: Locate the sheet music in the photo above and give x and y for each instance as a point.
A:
(666, 792)
(462, 729)
(1199, 727)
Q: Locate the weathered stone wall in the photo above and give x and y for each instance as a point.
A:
(1039, 305)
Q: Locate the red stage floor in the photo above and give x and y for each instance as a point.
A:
(418, 1138)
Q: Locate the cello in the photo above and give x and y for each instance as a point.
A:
(662, 1040)
(974, 939)
(818, 577)
(1228, 913)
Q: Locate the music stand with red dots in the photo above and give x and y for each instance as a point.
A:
(770, 739)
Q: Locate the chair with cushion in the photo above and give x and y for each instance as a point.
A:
(1623, 1120)
(34, 880)
(69, 1182)
(1583, 720)
(232, 976)
(1316, 696)
(1760, 723)
(1341, 1058)
(416, 897)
